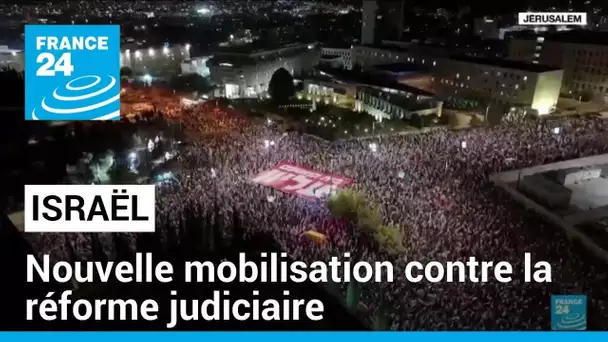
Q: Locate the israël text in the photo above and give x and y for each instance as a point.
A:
(89, 208)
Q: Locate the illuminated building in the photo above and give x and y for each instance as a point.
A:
(337, 57)
(10, 58)
(196, 65)
(156, 61)
(501, 82)
(244, 72)
(582, 55)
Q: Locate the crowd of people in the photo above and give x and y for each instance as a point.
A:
(431, 184)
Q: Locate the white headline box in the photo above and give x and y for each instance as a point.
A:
(552, 18)
(89, 208)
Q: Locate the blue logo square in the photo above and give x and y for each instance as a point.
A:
(72, 72)
(569, 312)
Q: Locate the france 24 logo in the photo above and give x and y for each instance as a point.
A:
(568, 312)
(72, 72)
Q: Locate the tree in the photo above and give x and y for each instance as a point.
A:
(354, 207)
(126, 72)
(390, 237)
(281, 86)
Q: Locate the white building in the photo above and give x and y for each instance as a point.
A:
(582, 55)
(196, 65)
(247, 74)
(155, 61)
(396, 103)
(11, 58)
(502, 82)
(337, 57)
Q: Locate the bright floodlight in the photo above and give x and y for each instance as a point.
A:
(269, 121)
(150, 145)
(556, 130)
(373, 147)
(463, 144)
(187, 46)
(167, 155)
(132, 155)
(204, 11)
(165, 50)
(272, 143)
(147, 78)
(151, 52)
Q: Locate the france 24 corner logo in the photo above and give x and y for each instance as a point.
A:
(72, 72)
(568, 312)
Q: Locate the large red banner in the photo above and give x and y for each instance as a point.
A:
(301, 181)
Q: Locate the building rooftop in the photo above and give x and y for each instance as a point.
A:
(505, 63)
(349, 76)
(259, 46)
(409, 103)
(572, 36)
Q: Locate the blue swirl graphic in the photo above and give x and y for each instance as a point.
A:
(574, 321)
(82, 98)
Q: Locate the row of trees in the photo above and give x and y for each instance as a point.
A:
(365, 221)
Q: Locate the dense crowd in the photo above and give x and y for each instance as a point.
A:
(430, 184)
